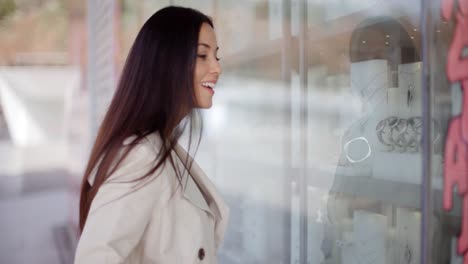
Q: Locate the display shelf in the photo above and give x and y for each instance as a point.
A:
(398, 193)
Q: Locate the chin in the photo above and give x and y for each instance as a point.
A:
(205, 105)
(208, 103)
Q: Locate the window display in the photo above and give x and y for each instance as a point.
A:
(381, 149)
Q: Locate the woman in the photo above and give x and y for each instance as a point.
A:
(143, 199)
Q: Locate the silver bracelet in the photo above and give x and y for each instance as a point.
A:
(346, 146)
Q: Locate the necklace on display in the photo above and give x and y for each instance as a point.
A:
(366, 92)
(400, 133)
(409, 95)
(408, 255)
(409, 78)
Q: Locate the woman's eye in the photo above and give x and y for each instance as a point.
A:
(203, 57)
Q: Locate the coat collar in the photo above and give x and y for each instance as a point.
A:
(199, 179)
(194, 187)
(206, 186)
(214, 203)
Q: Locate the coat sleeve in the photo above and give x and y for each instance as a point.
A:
(121, 209)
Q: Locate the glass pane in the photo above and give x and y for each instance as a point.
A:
(448, 75)
(244, 145)
(364, 128)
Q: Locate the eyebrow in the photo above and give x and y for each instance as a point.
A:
(208, 46)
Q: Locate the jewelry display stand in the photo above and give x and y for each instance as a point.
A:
(383, 147)
(408, 225)
(409, 167)
(367, 244)
(369, 82)
(389, 131)
(404, 141)
(367, 78)
(394, 97)
(348, 251)
(370, 236)
(379, 173)
(402, 130)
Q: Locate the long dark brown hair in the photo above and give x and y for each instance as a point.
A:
(155, 92)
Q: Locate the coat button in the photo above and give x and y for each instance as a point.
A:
(201, 254)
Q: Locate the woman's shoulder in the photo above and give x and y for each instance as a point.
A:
(152, 141)
(138, 155)
(142, 148)
(135, 158)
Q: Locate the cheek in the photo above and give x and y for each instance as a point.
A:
(198, 92)
(197, 80)
(201, 70)
(197, 77)
(198, 89)
(197, 72)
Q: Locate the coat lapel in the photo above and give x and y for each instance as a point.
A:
(200, 179)
(193, 193)
(214, 203)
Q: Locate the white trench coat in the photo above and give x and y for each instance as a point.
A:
(160, 221)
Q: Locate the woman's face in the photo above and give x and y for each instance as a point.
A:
(207, 67)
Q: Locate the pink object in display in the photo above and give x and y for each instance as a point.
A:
(455, 170)
(448, 6)
(457, 66)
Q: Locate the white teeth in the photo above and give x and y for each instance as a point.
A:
(209, 84)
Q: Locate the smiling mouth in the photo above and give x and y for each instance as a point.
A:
(209, 85)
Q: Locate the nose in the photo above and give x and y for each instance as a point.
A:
(216, 68)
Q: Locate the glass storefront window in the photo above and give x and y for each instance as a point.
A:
(364, 158)
(315, 137)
